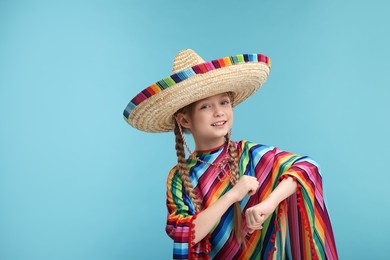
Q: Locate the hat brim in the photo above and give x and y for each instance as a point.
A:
(155, 113)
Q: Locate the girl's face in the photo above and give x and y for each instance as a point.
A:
(209, 120)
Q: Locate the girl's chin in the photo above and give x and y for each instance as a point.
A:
(221, 131)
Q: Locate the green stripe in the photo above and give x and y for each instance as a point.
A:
(169, 81)
(240, 58)
(245, 158)
(162, 84)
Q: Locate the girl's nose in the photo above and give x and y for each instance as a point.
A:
(218, 112)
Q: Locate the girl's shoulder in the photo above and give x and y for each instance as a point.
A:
(248, 150)
(249, 145)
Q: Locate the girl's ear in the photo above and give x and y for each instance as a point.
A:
(183, 120)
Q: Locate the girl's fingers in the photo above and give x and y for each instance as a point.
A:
(254, 221)
(254, 227)
(253, 187)
(250, 219)
(259, 218)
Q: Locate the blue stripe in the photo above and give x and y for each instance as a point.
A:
(180, 250)
(252, 57)
(176, 78)
(222, 233)
(128, 110)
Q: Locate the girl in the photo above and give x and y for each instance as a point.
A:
(231, 200)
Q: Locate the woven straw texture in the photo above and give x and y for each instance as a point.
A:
(185, 59)
(154, 114)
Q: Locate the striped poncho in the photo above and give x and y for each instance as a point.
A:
(298, 229)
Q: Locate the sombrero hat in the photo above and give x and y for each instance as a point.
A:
(194, 79)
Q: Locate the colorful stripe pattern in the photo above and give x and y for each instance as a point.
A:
(299, 228)
(185, 74)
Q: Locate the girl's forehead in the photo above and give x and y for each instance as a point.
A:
(222, 95)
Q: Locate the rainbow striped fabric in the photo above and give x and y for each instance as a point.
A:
(185, 74)
(299, 228)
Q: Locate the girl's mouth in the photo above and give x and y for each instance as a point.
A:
(219, 123)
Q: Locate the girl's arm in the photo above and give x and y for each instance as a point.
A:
(256, 215)
(284, 190)
(207, 218)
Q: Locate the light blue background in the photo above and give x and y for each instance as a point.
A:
(76, 182)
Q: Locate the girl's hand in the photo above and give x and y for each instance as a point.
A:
(256, 215)
(245, 185)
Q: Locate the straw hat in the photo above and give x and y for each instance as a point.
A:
(194, 79)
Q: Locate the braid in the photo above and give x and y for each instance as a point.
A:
(232, 150)
(234, 164)
(183, 170)
(234, 175)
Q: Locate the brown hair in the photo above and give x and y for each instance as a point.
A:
(183, 169)
(234, 176)
(184, 174)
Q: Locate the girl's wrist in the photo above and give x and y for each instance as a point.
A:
(273, 200)
(231, 197)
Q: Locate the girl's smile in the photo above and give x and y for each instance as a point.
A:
(219, 124)
(208, 120)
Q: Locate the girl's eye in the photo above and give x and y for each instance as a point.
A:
(204, 106)
(225, 102)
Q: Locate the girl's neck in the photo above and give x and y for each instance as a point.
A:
(206, 145)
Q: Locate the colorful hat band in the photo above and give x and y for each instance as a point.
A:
(185, 74)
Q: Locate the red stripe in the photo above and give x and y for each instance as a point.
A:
(139, 98)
